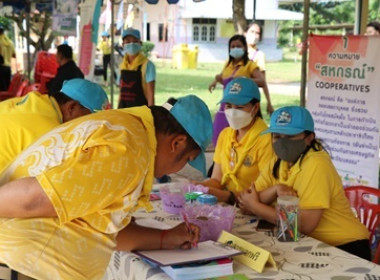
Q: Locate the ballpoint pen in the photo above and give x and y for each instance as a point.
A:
(194, 244)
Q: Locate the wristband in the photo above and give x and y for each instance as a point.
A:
(162, 237)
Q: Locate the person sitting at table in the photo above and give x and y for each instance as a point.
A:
(238, 65)
(304, 168)
(66, 202)
(241, 152)
(25, 119)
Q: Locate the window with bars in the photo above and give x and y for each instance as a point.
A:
(204, 30)
(162, 33)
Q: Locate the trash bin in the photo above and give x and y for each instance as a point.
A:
(180, 56)
(193, 57)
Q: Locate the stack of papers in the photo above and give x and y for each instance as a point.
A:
(209, 259)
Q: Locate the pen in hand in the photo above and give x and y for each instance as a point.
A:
(194, 244)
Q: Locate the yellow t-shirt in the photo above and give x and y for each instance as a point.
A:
(7, 49)
(250, 156)
(96, 170)
(23, 120)
(319, 186)
(258, 57)
(239, 70)
(105, 47)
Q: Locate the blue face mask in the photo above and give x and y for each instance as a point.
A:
(237, 52)
(132, 48)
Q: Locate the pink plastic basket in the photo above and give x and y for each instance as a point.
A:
(211, 219)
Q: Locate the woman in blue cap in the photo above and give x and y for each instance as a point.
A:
(241, 152)
(137, 73)
(304, 168)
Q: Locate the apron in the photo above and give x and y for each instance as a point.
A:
(131, 90)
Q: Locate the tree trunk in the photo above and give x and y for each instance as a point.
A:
(238, 16)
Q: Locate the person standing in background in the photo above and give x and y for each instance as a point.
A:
(253, 35)
(7, 51)
(105, 47)
(238, 65)
(67, 69)
(5, 75)
(137, 73)
(373, 29)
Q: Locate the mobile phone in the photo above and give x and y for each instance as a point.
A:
(264, 225)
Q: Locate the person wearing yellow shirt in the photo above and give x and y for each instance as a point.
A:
(137, 73)
(253, 35)
(105, 47)
(241, 152)
(238, 65)
(24, 119)
(7, 49)
(304, 168)
(66, 202)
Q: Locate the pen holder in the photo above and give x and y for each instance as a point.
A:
(287, 218)
(173, 197)
(211, 219)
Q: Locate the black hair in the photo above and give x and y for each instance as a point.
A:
(375, 25)
(260, 27)
(65, 50)
(253, 102)
(242, 39)
(62, 98)
(1, 60)
(316, 145)
(166, 124)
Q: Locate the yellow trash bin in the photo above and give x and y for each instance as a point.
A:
(180, 59)
(193, 58)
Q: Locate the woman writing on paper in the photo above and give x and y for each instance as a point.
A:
(305, 168)
(241, 152)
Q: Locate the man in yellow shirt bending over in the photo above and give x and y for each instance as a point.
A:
(24, 119)
(67, 201)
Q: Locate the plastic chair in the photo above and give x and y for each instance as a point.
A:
(16, 84)
(365, 202)
(46, 65)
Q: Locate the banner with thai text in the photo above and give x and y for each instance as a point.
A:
(88, 28)
(344, 99)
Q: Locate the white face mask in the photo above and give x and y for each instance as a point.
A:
(238, 118)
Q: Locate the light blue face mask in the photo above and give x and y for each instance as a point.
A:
(132, 48)
(237, 52)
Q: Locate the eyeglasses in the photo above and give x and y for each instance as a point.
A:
(233, 157)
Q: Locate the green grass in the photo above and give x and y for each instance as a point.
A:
(179, 82)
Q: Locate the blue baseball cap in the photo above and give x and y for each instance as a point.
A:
(131, 32)
(194, 116)
(240, 91)
(105, 34)
(90, 95)
(290, 120)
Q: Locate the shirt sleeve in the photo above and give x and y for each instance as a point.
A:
(150, 72)
(265, 179)
(313, 184)
(98, 176)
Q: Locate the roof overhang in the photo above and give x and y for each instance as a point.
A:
(223, 10)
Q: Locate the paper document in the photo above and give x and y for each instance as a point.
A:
(207, 250)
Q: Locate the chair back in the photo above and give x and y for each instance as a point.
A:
(46, 63)
(16, 81)
(365, 202)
